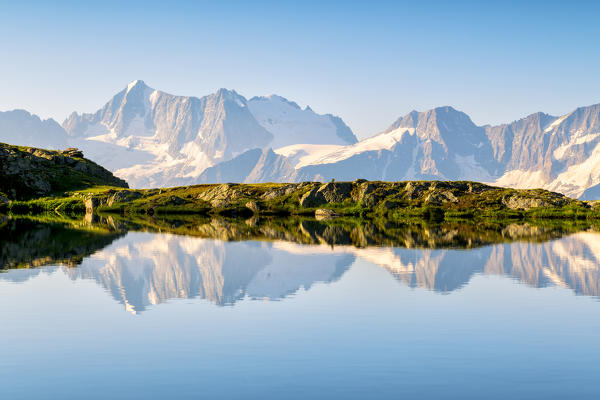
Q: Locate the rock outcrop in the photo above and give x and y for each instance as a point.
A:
(324, 213)
(429, 199)
(27, 172)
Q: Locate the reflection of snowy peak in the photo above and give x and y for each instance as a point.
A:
(572, 262)
(144, 269)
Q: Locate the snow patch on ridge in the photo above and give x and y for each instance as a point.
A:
(519, 178)
(300, 155)
(292, 125)
(555, 123)
(560, 151)
(383, 141)
(579, 177)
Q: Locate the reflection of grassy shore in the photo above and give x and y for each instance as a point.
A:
(47, 239)
(358, 232)
(394, 201)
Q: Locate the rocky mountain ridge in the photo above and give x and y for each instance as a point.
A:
(152, 138)
(556, 153)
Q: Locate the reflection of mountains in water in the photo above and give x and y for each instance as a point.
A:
(573, 262)
(141, 269)
(27, 243)
(144, 269)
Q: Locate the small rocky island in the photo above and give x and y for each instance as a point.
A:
(35, 180)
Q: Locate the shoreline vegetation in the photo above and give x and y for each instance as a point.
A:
(46, 239)
(36, 181)
(56, 206)
(395, 201)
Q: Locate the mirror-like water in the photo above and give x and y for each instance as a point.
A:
(433, 312)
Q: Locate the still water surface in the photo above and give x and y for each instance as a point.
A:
(158, 315)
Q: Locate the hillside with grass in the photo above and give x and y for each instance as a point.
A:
(37, 181)
(29, 172)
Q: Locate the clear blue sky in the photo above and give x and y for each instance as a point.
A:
(368, 62)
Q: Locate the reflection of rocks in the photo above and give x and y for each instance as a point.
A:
(572, 262)
(230, 260)
(324, 214)
(355, 232)
(25, 243)
(524, 231)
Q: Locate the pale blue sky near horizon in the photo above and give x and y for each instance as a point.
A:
(368, 62)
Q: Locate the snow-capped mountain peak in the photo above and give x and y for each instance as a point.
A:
(152, 138)
(290, 124)
(137, 83)
(171, 139)
(440, 143)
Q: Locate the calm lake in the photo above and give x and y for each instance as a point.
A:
(217, 310)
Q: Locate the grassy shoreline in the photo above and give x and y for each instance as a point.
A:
(394, 201)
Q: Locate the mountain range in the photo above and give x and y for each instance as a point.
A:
(152, 138)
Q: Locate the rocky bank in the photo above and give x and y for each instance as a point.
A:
(28, 172)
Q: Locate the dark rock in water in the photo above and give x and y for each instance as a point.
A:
(4, 202)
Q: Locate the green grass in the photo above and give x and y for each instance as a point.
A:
(44, 205)
(394, 201)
